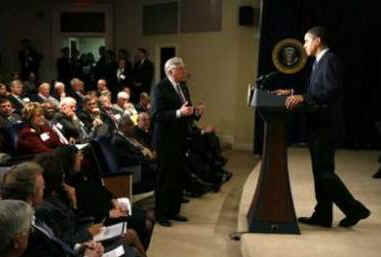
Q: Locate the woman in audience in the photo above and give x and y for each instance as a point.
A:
(95, 200)
(36, 136)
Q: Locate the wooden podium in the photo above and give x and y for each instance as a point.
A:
(272, 208)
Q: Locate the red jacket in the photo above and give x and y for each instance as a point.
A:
(30, 141)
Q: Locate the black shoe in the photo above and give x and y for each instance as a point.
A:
(164, 222)
(179, 217)
(184, 200)
(226, 177)
(314, 222)
(377, 174)
(352, 220)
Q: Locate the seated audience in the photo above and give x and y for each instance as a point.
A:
(30, 85)
(95, 200)
(143, 131)
(67, 121)
(43, 95)
(106, 106)
(76, 91)
(36, 136)
(7, 114)
(131, 112)
(25, 182)
(144, 104)
(59, 91)
(15, 227)
(102, 86)
(96, 122)
(58, 213)
(16, 96)
(130, 151)
(3, 90)
(121, 100)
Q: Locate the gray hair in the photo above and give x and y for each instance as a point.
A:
(15, 218)
(67, 101)
(123, 94)
(75, 80)
(16, 82)
(20, 181)
(59, 84)
(172, 64)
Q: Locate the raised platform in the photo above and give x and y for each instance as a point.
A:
(356, 169)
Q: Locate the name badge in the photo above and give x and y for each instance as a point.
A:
(117, 116)
(59, 125)
(45, 136)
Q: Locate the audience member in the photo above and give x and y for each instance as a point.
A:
(25, 182)
(144, 104)
(43, 95)
(7, 114)
(96, 122)
(3, 90)
(29, 59)
(59, 91)
(64, 68)
(36, 136)
(15, 227)
(142, 73)
(16, 95)
(31, 84)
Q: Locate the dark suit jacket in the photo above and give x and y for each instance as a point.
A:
(65, 224)
(169, 132)
(325, 90)
(126, 152)
(16, 104)
(143, 73)
(39, 245)
(66, 126)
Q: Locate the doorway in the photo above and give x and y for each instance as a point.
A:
(166, 53)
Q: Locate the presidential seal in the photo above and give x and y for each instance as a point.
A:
(289, 56)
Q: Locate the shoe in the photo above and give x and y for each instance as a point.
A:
(314, 222)
(179, 217)
(184, 200)
(164, 222)
(226, 176)
(377, 174)
(352, 220)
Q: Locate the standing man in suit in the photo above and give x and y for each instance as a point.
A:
(325, 91)
(142, 74)
(171, 111)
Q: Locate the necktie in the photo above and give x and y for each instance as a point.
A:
(314, 65)
(180, 93)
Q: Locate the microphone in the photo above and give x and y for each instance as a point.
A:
(261, 80)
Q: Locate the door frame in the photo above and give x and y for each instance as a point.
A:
(58, 36)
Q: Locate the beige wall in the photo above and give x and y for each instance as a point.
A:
(222, 64)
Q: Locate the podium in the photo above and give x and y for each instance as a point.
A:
(272, 208)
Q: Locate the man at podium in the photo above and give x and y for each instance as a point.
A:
(325, 91)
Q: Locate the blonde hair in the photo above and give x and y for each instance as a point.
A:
(30, 110)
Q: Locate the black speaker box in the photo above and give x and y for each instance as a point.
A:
(246, 16)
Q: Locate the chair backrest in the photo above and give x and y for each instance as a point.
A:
(105, 155)
(11, 133)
